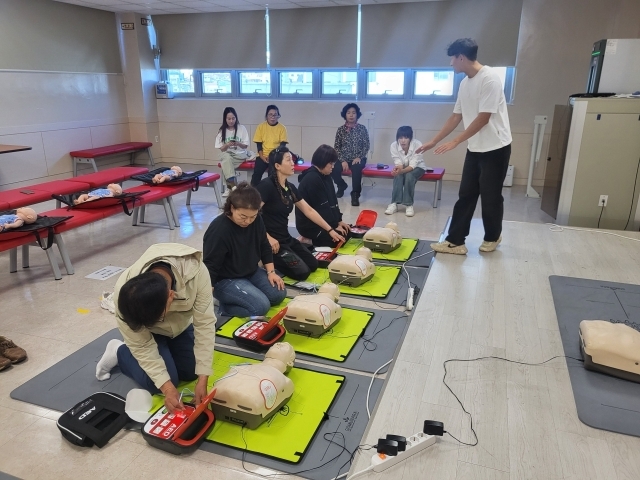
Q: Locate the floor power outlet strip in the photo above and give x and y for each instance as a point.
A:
(415, 444)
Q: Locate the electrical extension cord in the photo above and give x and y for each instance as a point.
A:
(410, 295)
(415, 443)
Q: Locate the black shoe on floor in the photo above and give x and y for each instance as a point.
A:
(340, 191)
(355, 199)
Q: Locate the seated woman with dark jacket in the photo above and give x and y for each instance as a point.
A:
(278, 198)
(316, 187)
(233, 245)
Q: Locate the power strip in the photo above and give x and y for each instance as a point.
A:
(415, 443)
(410, 295)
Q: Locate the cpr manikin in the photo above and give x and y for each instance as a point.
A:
(23, 215)
(312, 315)
(383, 239)
(112, 190)
(352, 270)
(173, 172)
(251, 394)
(611, 348)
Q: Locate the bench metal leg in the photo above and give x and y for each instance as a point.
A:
(132, 158)
(435, 195)
(167, 211)
(75, 167)
(25, 256)
(13, 260)
(143, 209)
(151, 162)
(64, 254)
(53, 261)
(134, 216)
(189, 197)
(217, 191)
(172, 206)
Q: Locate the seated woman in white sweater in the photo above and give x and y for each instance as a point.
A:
(408, 167)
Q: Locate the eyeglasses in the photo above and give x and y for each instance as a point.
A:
(274, 115)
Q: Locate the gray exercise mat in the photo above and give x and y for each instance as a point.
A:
(6, 476)
(384, 332)
(415, 260)
(602, 401)
(398, 293)
(73, 379)
(347, 416)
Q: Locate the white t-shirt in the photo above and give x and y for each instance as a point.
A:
(484, 93)
(240, 136)
(411, 158)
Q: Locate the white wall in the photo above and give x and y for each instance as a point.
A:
(556, 37)
(55, 113)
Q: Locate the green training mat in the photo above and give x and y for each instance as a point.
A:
(287, 434)
(379, 286)
(335, 344)
(400, 254)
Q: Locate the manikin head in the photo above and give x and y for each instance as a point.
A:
(330, 290)
(27, 215)
(365, 252)
(281, 357)
(177, 169)
(115, 188)
(393, 226)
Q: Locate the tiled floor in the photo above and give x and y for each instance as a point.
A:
(462, 313)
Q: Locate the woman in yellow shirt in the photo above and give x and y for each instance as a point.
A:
(269, 135)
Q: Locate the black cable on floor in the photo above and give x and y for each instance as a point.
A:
(486, 358)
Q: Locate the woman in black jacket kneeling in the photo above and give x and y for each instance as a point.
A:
(316, 187)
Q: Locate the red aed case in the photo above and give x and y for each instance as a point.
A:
(365, 222)
(181, 431)
(325, 258)
(258, 335)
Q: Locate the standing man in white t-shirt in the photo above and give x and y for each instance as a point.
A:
(482, 108)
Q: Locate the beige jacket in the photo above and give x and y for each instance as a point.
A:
(193, 303)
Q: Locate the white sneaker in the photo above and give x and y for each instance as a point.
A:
(448, 247)
(226, 192)
(409, 212)
(391, 209)
(106, 302)
(490, 246)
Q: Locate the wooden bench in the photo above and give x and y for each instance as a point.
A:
(89, 156)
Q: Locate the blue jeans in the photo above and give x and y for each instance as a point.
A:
(177, 354)
(248, 296)
(404, 186)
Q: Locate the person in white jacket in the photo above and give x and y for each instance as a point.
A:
(408, 167)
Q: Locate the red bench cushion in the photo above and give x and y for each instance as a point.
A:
(16, 242)
(111, 149)
(250, 165)
(373, 171)
(80, 217)
(110, 175)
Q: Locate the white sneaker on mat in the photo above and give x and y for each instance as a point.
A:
(106, 302)
(391, 209)
(490, 246)
(448, 247)
(409, 212)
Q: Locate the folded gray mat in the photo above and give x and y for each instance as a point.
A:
(602, 401)
(385, 331)
(73, 379)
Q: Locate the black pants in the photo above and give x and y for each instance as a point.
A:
(258, 171)
(356, 175)
(295, 260)
(482, 176)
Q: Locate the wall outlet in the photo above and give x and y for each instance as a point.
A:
(603, 200)
(157, 139)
